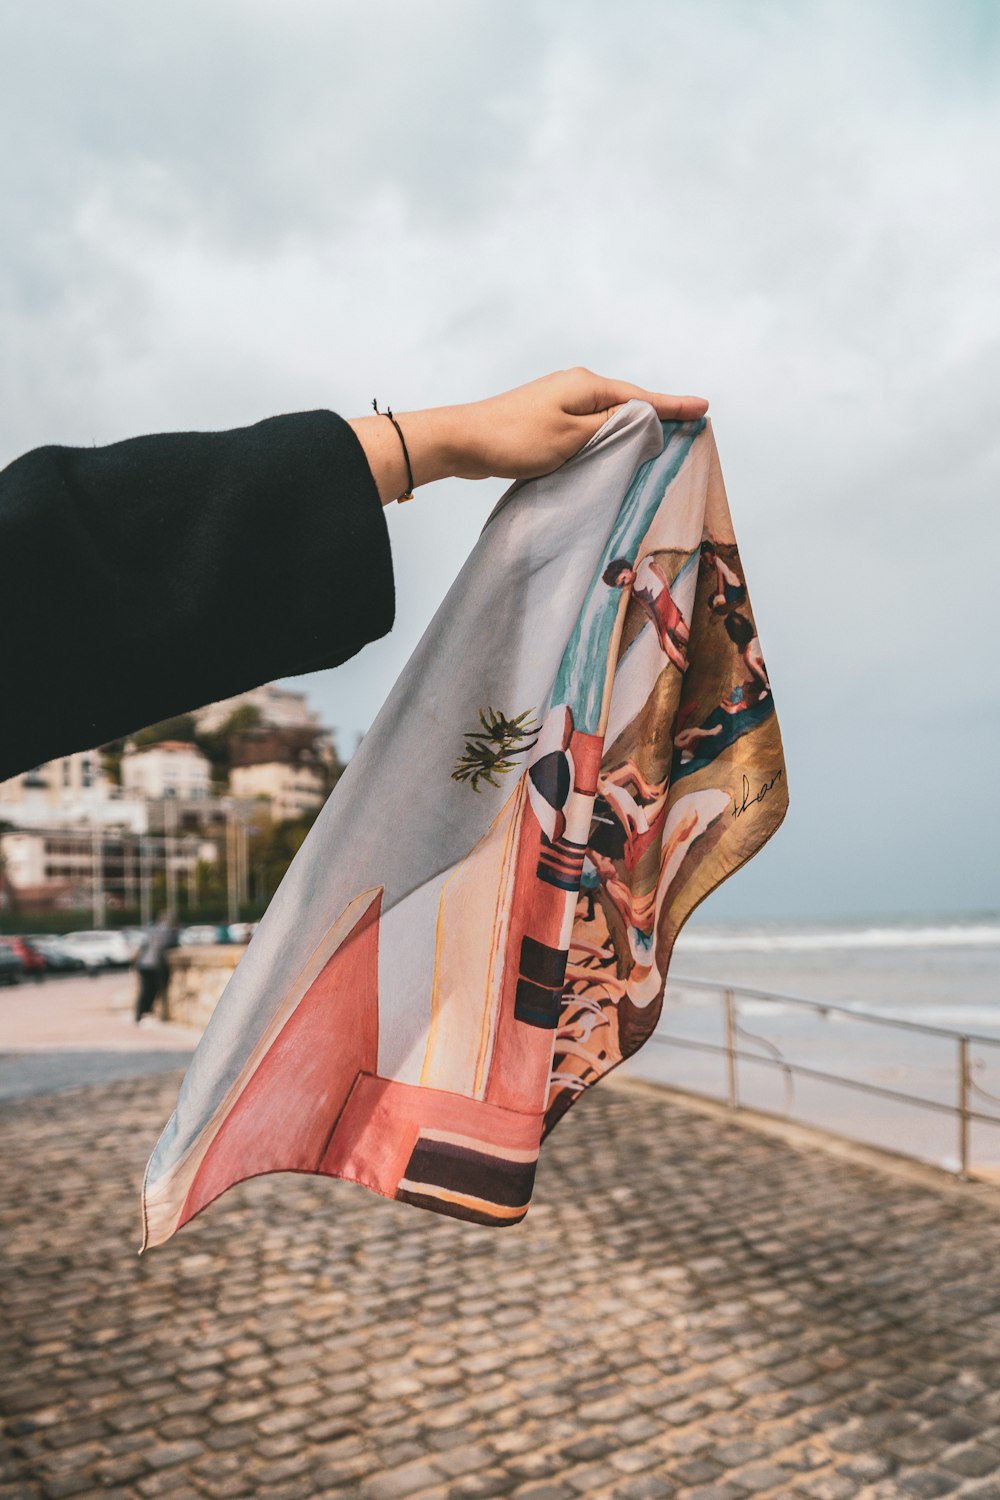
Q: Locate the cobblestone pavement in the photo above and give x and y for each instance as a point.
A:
(691, 1308)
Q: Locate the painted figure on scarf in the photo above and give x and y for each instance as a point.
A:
(650, 587)
(743, 636)
(729, 589)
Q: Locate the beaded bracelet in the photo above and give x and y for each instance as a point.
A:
(408, 493)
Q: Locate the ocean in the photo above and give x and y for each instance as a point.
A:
(940, 974)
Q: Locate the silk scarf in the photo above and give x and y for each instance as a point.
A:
(478, 926)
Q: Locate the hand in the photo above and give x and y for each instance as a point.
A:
(536, 427)
(520, 434)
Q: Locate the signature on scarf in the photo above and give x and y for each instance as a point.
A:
(739, 808)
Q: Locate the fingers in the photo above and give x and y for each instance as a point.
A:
(591, 422)
(605, 393)
(678, 408)
(667, 408)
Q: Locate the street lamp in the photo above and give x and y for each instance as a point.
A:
(170, 844)
(97, 867)
(232, 872)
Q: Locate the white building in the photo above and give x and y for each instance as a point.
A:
(170, 769)
(291, 789)
(60, 781)
(66, 867)
(72, 789)
(280, 707)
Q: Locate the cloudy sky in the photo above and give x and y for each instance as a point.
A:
(217, 211)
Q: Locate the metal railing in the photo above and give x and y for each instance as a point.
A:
(968, 1092)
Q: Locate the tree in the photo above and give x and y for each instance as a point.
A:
(488, 750)
(217, 744)
(272, 849)
(179, 727)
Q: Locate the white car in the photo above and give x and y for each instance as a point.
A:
(199, 936)
(98, 949)
(241, 932)
(134, 937)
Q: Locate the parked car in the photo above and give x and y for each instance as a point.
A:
(32, 960)
(11, 967)
(241, 932)
(202, 933)
(58, 959)
(134, 938)
(99, 949)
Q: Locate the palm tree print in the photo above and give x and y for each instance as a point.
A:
(488, 750)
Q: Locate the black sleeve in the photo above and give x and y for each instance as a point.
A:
(155, 575)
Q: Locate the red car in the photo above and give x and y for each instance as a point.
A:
(33, 961)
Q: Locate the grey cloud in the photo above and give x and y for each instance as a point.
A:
(259, 122)
(212, 212)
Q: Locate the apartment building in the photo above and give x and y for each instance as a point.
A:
(171, 768)
(72, 789)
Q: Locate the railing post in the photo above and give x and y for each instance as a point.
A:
(733, 1089)
(963, 1106)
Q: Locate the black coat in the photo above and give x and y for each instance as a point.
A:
(156, 575)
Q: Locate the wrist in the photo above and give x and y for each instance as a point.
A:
(384, 452)
(432, 441)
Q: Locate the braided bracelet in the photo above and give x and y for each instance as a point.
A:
(408, 493)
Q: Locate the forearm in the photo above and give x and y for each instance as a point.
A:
(153, 576)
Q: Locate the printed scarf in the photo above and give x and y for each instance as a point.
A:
(479, 924)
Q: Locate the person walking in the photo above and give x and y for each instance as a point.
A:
(151, 964)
